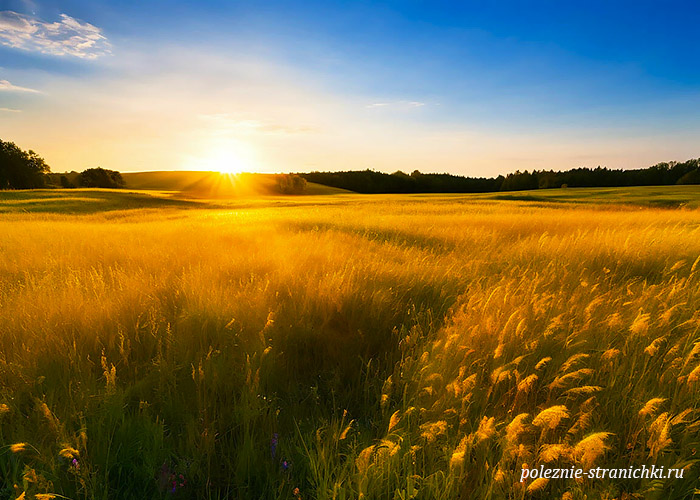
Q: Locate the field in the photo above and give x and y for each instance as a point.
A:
(344, 346)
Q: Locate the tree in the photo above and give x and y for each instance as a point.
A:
(65, 182)
(101, 178)
(21, 169)
(291, 184)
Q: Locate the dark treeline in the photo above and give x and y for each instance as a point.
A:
(21, 169)
(26, 170)
(97, 177)
(369, 181)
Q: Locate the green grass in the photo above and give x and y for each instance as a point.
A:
(350, 346)
(652, 196)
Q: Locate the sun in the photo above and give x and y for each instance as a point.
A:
(231, 158)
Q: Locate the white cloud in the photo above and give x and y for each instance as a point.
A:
(9, 87)
(10, 110)
(397, 104)
(65, 37)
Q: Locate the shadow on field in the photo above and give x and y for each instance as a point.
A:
(385, 235)
(84, 201)
(639, 196)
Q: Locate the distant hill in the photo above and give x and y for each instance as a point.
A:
(198, 184)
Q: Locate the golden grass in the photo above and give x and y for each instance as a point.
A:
(389, 347)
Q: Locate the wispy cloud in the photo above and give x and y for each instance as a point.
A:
(6, 86)
(397, 104)
(10, 110)
(68, 36)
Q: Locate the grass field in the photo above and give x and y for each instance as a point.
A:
(347, 346)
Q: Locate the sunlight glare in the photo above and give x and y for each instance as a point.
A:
(231, 158)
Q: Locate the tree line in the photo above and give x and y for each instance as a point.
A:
(27, 170)
(21, 169)
(370, 181)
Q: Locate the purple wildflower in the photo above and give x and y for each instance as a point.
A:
(273, 444)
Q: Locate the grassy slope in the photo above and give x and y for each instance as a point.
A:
(193, 182)
(450, 332)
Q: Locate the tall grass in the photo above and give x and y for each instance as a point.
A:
(366, 348)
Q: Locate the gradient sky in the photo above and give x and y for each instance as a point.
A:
(476, 88)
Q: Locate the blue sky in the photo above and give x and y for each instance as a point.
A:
(477, 88)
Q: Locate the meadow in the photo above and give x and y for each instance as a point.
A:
(344, 346)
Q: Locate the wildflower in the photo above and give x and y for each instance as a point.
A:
(48, 415)
(385, 449)
(457, 459)
(563, 380)
(499, 476)
(516, 428)
(659, 437)
(394, 420)
(651, 406)
(486, 429)
(572, 361)
(640, 325)
(583, 422)
(44, 496)
(431, 430)
(591, 447)
(552, 452)
(458, 455)
(109, 372)
(498, 352)
(75, 463)
(4, 409)
(695, 351)
(610, 354)
(526, 384)
(286, 465)
(30, 476)
(499, 375)
(344, 434)
(69, 452)
(694, 376)
(537, 485)
(469, 383)
(653, 348)
(18, 447)
(273, 444)
(386, 391)
(364, 459)
(614, 320)
(678, 265)
(586, 389)
(542, 363)
(551, 417)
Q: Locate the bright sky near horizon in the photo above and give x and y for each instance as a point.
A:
(475, 88)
